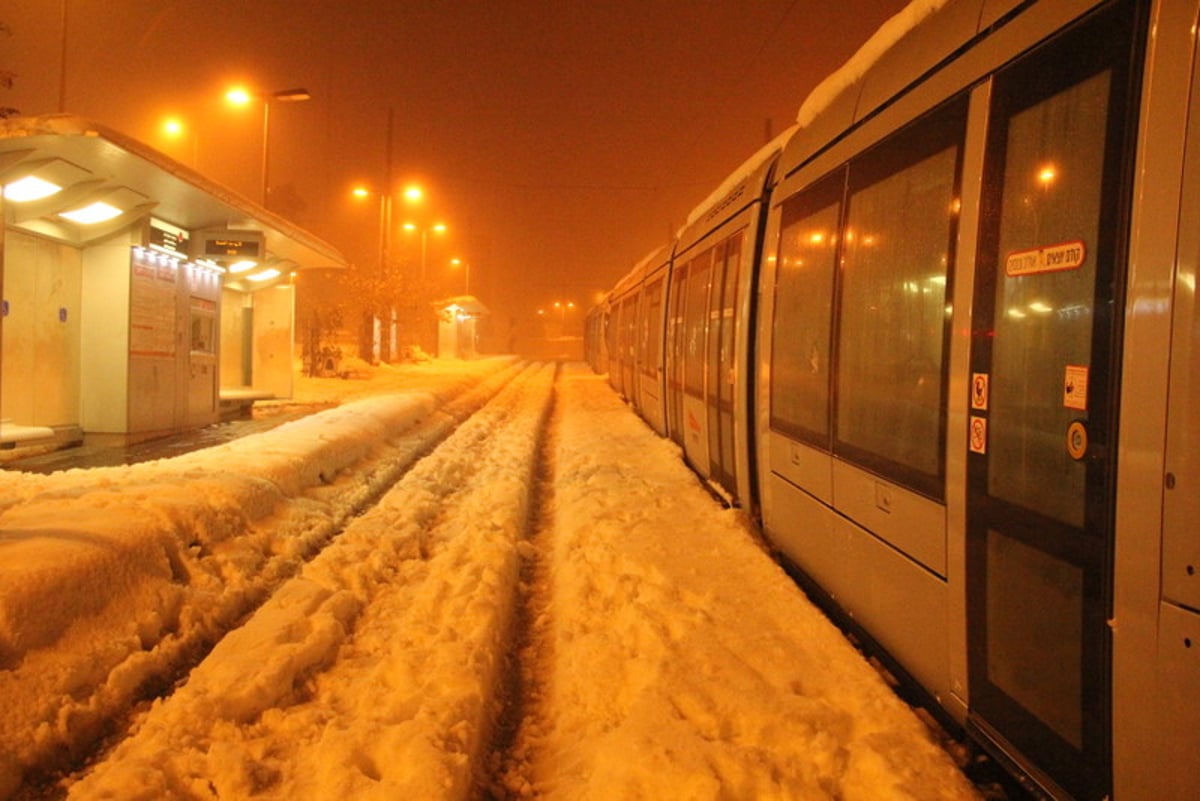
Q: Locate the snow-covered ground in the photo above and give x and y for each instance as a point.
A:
(666, 655)
(113, 579)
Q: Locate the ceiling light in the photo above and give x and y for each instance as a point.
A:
(265, 275)
(95, 213)
(242, 266)
(30, 188)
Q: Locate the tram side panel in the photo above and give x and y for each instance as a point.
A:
(651, 323)
(854, 354)
(976, 555)
(1156, 616)
(1179, 636)
(709, 344)
(710, 328)
(931, 307)
(595, 347)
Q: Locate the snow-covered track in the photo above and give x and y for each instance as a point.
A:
(157, 564)
(381, 654)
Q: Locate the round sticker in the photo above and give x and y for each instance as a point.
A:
(1077, 440)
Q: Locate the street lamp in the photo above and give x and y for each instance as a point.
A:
(385, 220)
(437, 228)
(466, 268)
(175, 128)
(562, 310)
(240, 96)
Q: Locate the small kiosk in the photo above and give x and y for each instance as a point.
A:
(137, 294)
(457, 326)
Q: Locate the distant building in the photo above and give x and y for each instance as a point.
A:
(137, 294)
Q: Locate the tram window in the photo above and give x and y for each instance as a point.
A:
(897, 245)
(1051, 194)
(651, 328)
(694, 324)
(628, 329)
(803, 313)
(729, 317)
(716, 308)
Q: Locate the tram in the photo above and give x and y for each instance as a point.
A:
(941, 341)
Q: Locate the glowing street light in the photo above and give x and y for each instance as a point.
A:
(437, 228)
(240, 96)
(466, 268)
(385, 220)
(562, 309)
(175, 128)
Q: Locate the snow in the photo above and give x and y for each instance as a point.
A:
(864, 58)
(369, 656)
(741, 174)
(11, 433)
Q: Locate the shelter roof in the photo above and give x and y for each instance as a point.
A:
(91, 162)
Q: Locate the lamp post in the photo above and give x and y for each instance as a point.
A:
(562, 311)
(466, 268)
(380, 316)
(385, 218)
(437, 228)
(241, 97)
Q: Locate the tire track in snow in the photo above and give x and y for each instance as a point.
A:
(372, 673)
(521, 692)
(95, 724)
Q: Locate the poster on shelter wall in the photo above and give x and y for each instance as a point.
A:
(152, 301)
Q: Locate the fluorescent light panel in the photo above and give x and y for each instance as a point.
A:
(30, 188)
(242, 266)
(96, 212)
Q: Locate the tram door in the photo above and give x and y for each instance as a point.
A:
(675, 332)
(1042, 439)
(695, 355)
(722, 327)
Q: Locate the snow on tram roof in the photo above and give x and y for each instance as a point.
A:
(866, 57)
(850, 74)
(747, 169)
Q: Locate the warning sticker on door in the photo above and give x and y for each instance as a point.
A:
(978, 434)
(979, 391)
(1075, 387)
(1048, 259)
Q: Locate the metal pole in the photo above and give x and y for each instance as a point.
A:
(424, 243)
(387, 179)
(385, 203)
(385, 233)
(266, 137)
(62, 71)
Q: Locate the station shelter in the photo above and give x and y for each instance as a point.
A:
(137, 294)
(458, 321)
